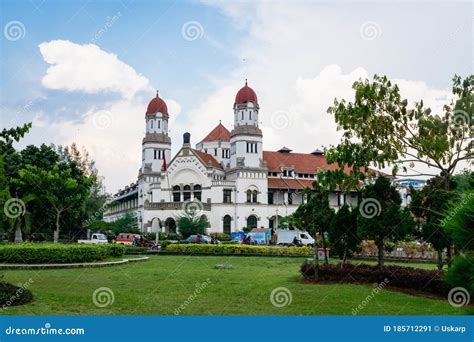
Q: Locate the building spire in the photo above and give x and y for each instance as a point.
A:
(245, 81)
(157, 92)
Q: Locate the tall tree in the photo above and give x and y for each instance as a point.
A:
(380, 129)
(430, 204)
(343, 232)
(58, 187)
(315, 216)
(380, 215)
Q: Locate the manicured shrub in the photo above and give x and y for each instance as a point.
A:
(39, 253)
(11, 295)
(237, 249)
(394, 276)
(164, 244)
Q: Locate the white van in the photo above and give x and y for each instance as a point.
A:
(286, 237)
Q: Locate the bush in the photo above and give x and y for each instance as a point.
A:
(393, 276)
(11, 295)
(31, 253)
(238, 249)
(164, 244)
(461, 273)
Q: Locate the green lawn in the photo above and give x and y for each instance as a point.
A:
(162, 284)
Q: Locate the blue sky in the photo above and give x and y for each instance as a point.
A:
(297, 55)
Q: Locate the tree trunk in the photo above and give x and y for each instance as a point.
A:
(18, 233)
(448, 256)
(56, 232)
(440, 259)
(326, 261)
(344, 257)
(380, 246)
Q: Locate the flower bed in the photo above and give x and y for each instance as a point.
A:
(393, 276)
(45, 253)
(234, 249)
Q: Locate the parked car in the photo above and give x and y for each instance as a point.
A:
(126, 238)
(96, 238)
(204, 239)
(287, 237)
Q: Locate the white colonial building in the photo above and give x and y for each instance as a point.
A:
(233, 180)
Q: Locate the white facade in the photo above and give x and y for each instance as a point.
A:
(227, 177)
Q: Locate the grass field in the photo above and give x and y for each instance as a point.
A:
(165, 283)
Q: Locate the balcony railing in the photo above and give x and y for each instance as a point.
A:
(172, 206)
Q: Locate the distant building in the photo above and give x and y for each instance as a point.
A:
(227, 176)
(404, 184)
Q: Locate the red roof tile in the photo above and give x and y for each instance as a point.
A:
(302, 162)
(289, 183)
(208, 159)
(218, 133)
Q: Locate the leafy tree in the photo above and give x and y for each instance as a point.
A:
(191, 223)
(380, 215)
(459, 222)
(343, 232)
(126, 224)
(4, 196)
(315, 216)
(10, 135)
(380, 129)
(429, 205)
(58, 187)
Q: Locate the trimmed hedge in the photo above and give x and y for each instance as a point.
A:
(393, 276)
(238, 249)
(39, 253)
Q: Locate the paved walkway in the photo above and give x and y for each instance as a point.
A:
(75, 265)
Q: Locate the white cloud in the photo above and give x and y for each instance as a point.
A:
(112, 133)
(89, 69)
(289, 50)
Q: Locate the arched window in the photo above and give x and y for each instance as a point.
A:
(227, 221)
(186, 193)
(159, 123)
(176, 194)
(197, 192)
(249, 196)
(252, 221)
(151, 123)
(254, 196)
